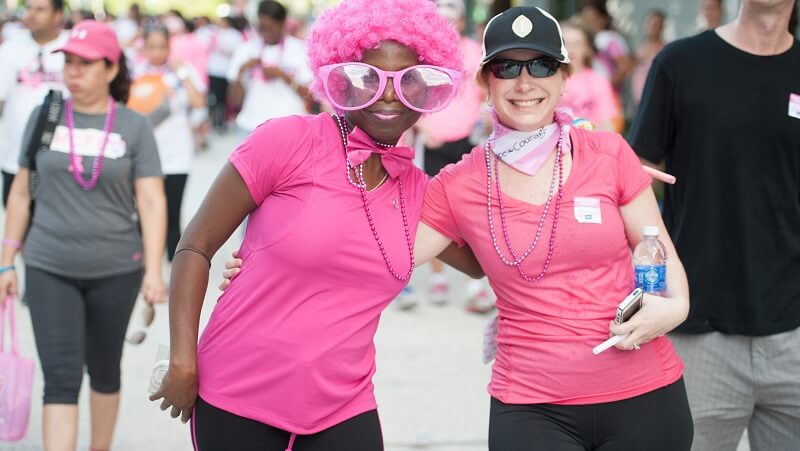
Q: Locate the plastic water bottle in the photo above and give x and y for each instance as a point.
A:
(159, 368)
(650, 263)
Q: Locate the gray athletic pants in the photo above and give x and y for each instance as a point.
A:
(79, 322)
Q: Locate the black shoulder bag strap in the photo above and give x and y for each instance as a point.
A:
(42, 136)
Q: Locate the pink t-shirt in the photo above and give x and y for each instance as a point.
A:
(458, 120)
(547, 330)
(590, 96)
(290, 342)
(189, 49)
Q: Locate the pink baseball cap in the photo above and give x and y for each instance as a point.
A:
(92, 40)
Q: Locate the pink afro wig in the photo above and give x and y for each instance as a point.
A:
(343, 33)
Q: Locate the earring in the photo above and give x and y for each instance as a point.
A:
(489, 101)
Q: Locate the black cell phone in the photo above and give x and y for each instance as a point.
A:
(630, 305)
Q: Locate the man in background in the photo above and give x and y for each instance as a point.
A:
(269, 75)
(28, 70)
(722, 109)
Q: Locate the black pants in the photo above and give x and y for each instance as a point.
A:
(173, 187)
(656, 421)
(451, 152)
(217, 430)
(8, 179)
(217, 100)
(77, 322)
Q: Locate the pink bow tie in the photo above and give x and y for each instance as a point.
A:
(394, 159)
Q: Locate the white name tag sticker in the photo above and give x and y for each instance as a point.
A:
(794, 105)
(587, 210)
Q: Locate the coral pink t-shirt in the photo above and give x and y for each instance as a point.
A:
(590, 96)
(547, 330)
(290, 342)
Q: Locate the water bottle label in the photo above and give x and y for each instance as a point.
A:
(652, 278)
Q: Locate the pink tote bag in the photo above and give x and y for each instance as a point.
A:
(16, 381)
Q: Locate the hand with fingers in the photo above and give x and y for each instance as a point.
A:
(8, 284)
(153, 288)
(178, 393)
(275, 72)
(249, 64)
(232, 268)
(657, 316)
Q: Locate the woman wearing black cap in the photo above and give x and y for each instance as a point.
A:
(551, 212)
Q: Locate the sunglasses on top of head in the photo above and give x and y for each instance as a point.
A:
(508, 69)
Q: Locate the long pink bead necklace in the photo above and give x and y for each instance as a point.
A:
(362, 187)
(558, 168)
(97, 166)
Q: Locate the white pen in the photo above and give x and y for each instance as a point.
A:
(608, 343)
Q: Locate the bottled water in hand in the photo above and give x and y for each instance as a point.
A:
(650, 263)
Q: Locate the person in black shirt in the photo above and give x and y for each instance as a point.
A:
(722, 110)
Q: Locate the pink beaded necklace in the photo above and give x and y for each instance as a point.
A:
(558, 168)
(361, 185)
(97, 166)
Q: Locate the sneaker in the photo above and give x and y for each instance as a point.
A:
(406, 299)
(438, 293)
(480, 303)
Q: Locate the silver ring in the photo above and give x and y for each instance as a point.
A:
(636, 346)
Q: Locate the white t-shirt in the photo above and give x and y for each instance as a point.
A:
(224, 43)
(23, 85)
(10, 29)
(203, 34)
(266, 99)
(174, 134)
(125, 29)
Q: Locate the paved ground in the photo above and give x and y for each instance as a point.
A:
(430, 381)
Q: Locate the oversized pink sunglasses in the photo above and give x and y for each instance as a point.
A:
(423, 88)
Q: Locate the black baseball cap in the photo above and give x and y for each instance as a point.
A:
(524, 27)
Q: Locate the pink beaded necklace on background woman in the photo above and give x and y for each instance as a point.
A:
(97, 166)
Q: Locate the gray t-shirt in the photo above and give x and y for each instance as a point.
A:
(90, 234)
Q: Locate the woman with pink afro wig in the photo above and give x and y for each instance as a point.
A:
(286, 360)
(343, 34)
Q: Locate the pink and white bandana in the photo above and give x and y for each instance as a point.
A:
(528, 151)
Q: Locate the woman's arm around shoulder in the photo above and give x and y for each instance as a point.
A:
(438, 235)
(432, 244)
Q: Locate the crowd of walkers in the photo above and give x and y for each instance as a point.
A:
(386, 136)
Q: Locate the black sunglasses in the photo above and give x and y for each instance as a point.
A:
(505, 69)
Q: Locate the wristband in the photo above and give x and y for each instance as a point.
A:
(196, 251)
(13, 243)
(6, 268)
